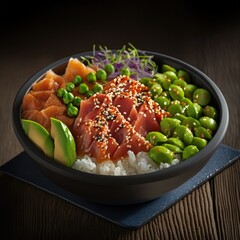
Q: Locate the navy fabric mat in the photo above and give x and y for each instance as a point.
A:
(134, 216)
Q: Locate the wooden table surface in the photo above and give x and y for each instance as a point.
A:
(196, 33)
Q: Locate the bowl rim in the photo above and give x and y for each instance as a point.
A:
(41, 159)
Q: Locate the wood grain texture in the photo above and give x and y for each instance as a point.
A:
(193, 32)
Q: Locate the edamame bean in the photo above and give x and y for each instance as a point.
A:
(172, 147)
(184, 134)
(210, 111)
(189, 151)
(176, 142)
(145, 80)
(202, 132)
(162, 101)
(199, 142)
(191, 123)
(194, 110)
(185, 102)
(171, 75)
(184, 75)
(156, 138)
(180, 117)
(174, 108)
(159, 77)
(181, 83)
(176, 92)
(166, 83)
(156, 89)
(168, 125)
(166, 67)
(189, 89)
(201, 96)
(208, 122)
(160, 154)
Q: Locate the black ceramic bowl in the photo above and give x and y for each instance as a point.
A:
(123, 190)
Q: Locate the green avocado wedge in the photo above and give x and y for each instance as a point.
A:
(39, 135)
(65, 147)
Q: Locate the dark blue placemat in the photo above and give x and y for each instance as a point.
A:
(133, 216)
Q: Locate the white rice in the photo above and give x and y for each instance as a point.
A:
(134, 164)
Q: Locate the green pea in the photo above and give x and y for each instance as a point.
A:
(91, 77)
(61, 92)
(160, 154)
(183, 75)
(71, 110)
(109, 68)
(201, 96)
(199, 142)
(101, 75)
(191, 123)
(189, 151)
(176, 142)
(70, 86)
(166, 67)
(184, 134)
(181, 83)
(166, 83)
(194, 110)
(171, 75)
(188, 90)
(208, 122)
(163, 102)
(174, 108)
(77, 80)
(125, 71)
(167, 125)
(68, 97)
(83, 88)
(90, 93)
(98, 88)
(156, 89)
(155, 138)
(210, 112)
(76, 101)
(203, 132)
(180, 117)
(176, 92)
(172, 147)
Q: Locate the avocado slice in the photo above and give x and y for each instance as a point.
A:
(65, 147)
(39, 135)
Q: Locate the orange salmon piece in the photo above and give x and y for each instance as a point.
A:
(75, 67)
(45, 84)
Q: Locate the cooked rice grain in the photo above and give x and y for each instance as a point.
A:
(134, 164)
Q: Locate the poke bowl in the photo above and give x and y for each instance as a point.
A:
(119, 127)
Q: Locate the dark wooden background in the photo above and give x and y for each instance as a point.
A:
(205, 34)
